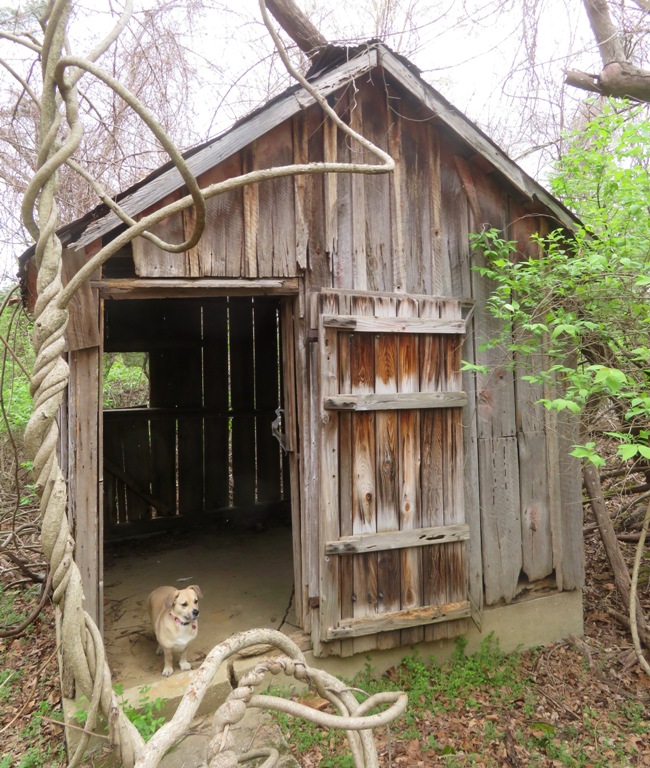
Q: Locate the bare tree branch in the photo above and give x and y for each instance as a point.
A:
(297, 26)
(619, 78)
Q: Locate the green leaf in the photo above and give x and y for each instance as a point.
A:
(627, 451)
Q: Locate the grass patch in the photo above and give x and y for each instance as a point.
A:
(482, 709)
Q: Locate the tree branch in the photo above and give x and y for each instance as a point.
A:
(608, 37)
(296, 24)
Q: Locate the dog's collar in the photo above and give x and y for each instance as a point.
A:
(182, 623)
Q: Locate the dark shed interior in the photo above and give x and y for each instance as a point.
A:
(203, 447)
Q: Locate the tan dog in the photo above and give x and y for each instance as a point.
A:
(173, 614)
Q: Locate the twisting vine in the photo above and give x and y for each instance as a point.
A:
(81, 643)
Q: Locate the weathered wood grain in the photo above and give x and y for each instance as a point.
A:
(408, 620)
(394, 539)
(394, 324)
(151, 261)
(358, 204)
(455, 226)
(397, 205)
(171, 288)
(500, 518)
(377, 217)
(276, 223)
(364, 494)
(386, 429)
(409, 471)
(346, 481)
(83, 475)
(329, 503)
(220, 251)
(82, 331)
(537, 540)
(396, 401)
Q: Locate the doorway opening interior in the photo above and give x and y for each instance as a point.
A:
(196, 483)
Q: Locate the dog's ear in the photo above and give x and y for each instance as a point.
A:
(197, 589)
(170, 599)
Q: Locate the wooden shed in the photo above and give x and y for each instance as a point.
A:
(305, 361)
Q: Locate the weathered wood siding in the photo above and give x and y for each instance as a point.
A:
(395, 235)
(391, 512)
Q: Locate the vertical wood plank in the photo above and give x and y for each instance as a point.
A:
(310, 452)
(537, 540)
(136, 451)
(84, 408)
(292, 396)
(331, 227)
(329, 517)
(364, 503)
(397, 203)
(342, 263)
(386, 429)
(267, 383)
(471, 480)
(276, 225)
(377, 217)
(321, 199)
(454, 501)
(571, 566)
(302, 191)
(358, 207)
(151, 261)
(347, 594)
(251, 215)
(455, 226)
(409, 460)
(416, 196)
(215, 385)
(440, 270)
(434, 467)
(500, 518)
(242, 379)
(220, 251)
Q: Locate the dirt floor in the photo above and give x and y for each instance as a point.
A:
(596, 674)
(227, 568)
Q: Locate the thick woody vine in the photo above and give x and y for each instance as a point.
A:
(81, 644)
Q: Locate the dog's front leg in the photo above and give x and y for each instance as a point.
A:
(183, 663)
(168, 669)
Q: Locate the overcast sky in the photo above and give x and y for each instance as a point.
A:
(465, 49)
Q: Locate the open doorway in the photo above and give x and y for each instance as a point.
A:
(196, 478)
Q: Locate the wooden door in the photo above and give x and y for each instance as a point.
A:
(392, 526)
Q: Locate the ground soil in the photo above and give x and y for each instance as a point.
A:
(597, 673)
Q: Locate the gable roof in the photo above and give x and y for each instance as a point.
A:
(329, 76)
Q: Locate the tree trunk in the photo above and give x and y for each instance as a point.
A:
(608, 37)
(296, 24)
(610, 542)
